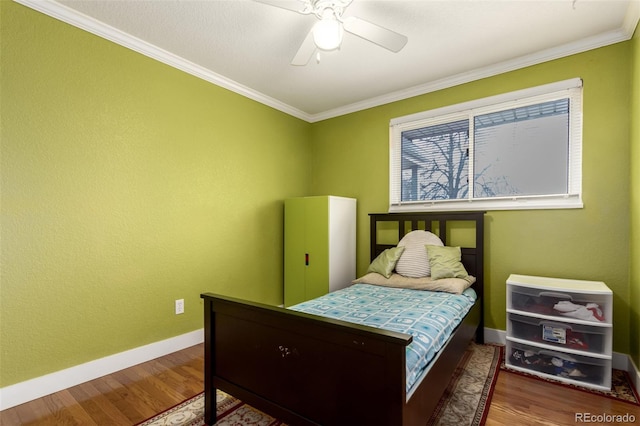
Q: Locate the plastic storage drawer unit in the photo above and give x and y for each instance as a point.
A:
(560, 329)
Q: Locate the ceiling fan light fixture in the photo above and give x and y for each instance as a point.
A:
(327, 33)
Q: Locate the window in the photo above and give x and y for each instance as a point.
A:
(521, 150)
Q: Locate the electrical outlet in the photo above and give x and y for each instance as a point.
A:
(179, 306)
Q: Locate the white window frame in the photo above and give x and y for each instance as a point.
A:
(571, 89)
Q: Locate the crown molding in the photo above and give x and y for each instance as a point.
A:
(632, 18)
(84, 22)
(89, 24)
(623, 34)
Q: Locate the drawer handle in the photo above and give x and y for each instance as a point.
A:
(557, 295)
(558, 355)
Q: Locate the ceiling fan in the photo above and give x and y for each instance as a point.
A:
(326, 34)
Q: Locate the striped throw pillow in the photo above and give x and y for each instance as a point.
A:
(414, 261)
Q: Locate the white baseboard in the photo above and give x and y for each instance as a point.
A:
(619, 360)
(634, 373)
(38, 387)
(492, 335)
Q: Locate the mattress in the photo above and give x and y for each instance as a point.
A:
(430, 317)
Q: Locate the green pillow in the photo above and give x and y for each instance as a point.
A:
(385, 263)
(445, 262)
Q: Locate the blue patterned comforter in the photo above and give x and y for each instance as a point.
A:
(428, 316)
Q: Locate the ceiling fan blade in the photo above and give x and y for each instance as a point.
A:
(297, 6)
(306, 51)
(381, 36)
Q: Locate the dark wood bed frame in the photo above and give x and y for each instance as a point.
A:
(309, 370)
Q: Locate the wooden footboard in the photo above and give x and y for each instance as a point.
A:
(307, 370)
(301, 368)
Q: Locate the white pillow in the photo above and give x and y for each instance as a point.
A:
(414, 261)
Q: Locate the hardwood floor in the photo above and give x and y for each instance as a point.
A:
(135, 394)
(124, 398)
(520, 400)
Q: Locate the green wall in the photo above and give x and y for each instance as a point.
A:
(351, 158)
(127, 184)
(635, 201)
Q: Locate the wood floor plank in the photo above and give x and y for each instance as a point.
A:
(119, 398)
(32, 411)
(65, 411)
(138, 399)
(9, 417)
(98, 405)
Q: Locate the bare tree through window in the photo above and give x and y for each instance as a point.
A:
(512, 148)
(435, 162)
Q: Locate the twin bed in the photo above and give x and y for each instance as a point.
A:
(347, 358)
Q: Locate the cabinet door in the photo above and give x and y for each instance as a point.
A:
(306, 245)
(317, 247)
(294, 251)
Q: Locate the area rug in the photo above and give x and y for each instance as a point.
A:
(466, 400)
(622, 387)
(464, 403)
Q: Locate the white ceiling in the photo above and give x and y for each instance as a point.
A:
(247, 46)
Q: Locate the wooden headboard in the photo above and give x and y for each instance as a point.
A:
(440, 223)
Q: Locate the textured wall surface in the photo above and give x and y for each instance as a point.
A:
(127, 184)
(351, 156)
